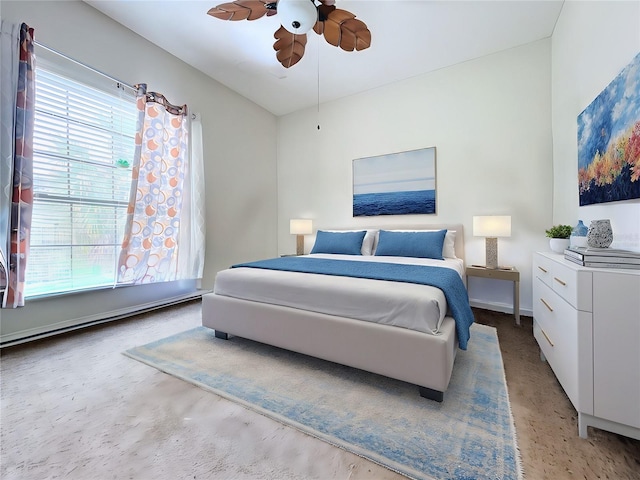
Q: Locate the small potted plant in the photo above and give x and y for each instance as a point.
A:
(559, 237)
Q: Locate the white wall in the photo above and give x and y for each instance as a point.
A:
(490, 121)
(241, 208)
(592, 43)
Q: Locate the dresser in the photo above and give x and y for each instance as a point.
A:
(587, 324)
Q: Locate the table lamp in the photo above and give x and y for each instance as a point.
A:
(491, 227)
(300, 227)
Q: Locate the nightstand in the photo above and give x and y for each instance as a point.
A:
(511, 274)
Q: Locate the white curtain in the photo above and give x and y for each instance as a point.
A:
(192, 233)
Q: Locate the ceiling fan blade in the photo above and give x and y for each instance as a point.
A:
(333, 25)
(240, 10)
(289, 47)
(323, 13)
(355, 35)
(342, 29)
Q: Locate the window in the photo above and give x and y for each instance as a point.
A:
(83, 151)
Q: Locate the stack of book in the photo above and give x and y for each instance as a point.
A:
(603, 257)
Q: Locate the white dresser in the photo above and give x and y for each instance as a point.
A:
(587, 323)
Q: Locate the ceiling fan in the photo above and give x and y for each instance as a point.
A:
(339, 27)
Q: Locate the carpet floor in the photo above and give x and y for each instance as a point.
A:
(72, 406)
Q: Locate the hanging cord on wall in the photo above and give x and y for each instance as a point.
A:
(318, 112)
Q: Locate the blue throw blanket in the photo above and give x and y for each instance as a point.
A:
(445, 279)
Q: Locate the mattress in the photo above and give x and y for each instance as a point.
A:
(417, 307)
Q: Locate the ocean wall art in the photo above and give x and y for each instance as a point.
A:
(395, 184)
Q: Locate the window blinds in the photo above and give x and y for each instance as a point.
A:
(83, 151)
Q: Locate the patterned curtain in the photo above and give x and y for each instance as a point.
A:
(16, 182)
(150, 248)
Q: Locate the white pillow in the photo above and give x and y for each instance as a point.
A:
(367, 242)
(448, 247)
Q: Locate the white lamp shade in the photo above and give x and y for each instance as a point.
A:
(492, 226)
(300, 226)
(297, 16)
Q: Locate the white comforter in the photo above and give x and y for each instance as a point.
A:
(417, 307)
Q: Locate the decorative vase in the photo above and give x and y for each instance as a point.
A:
(600, 234)
(579, 235)
(559, 245)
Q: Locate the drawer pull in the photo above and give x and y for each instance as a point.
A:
(542, 269)
(546, 305)
(560, 281)
(547, 337)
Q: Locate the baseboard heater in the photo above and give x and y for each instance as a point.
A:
(128, 313)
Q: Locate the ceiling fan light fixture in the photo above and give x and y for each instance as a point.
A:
(340, 28)
(297, 16)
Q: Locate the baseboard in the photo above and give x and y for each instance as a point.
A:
(75, 324)
(63, 327)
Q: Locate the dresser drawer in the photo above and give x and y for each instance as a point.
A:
(570, 282)
(556, 331)
(543, 268)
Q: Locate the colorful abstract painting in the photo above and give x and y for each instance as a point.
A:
(609, 141)
(396, 184)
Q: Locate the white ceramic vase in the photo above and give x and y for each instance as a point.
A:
(577, 241)
(600, 234)
(559, 245)
(578, 236)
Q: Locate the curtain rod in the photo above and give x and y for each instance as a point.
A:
(119, 82)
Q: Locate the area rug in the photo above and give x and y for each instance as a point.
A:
(471, 435)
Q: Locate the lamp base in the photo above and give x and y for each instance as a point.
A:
(299, 244)
(491, 252)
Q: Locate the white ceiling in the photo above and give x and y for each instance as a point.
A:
(408, 38)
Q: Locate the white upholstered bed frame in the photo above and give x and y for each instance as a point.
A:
(420, 358)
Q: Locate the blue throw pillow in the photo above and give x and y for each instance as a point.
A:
(411, 244)
(348, 243)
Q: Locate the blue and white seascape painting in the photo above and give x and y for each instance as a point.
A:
(396, 184)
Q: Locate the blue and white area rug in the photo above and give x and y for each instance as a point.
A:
(471, 435)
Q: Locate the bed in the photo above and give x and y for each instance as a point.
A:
(315, 305)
